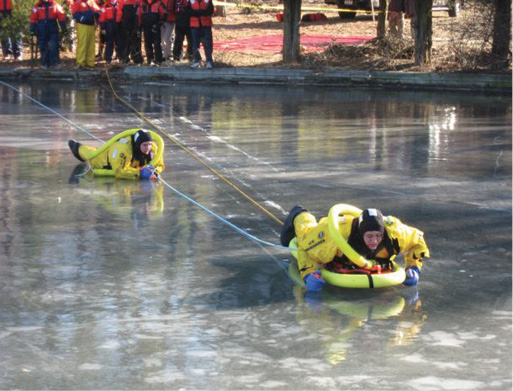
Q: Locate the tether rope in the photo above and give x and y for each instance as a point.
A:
(187, 150)
(51, 110)
(238, 229)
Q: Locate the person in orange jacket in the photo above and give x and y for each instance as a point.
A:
(108, 27)
(86, 14)
(151, 14)
(201, 12)
(45, 18)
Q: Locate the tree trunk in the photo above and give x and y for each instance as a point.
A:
(382, 17)
(501, 33)
(291, 18)
(422, 26)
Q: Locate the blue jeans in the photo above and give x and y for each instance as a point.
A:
(48, 37)
(202, 35)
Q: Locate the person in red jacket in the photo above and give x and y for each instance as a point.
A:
(108, 17)
(201, 12)
(45, 18)
(151, 13)
(167, 31)
(11, 46)
(86, 14)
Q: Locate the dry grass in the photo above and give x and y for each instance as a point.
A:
(459, 44)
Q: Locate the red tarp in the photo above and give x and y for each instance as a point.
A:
(274, 43)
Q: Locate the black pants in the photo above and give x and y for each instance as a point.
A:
(111, 40)
(152, 43)
(130, 38)
(182, 32)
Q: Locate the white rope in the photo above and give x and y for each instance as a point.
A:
(51, 110)
(239, 230)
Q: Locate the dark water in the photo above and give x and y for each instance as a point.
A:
(109, 284)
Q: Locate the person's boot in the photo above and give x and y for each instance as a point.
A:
(287, 231)
(74, 146)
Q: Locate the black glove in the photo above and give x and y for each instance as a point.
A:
(32, 33)
(288, 232)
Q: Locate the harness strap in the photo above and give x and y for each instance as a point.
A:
(371, 281)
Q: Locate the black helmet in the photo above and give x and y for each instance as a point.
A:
(141, 136)
(371, 220)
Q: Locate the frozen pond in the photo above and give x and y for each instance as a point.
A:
(110, 284)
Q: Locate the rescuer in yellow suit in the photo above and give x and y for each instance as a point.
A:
(370, 235)
(126, 158)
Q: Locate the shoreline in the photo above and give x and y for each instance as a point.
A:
(492, 83)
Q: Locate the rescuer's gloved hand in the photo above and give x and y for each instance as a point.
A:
(314, 281)
(412, 276)
(146, 173)
(154, 171)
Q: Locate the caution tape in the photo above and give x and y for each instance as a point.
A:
(281, 8)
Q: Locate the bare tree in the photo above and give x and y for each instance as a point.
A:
(291, 18)
(423, 26)
(502, 33)
(381, 28)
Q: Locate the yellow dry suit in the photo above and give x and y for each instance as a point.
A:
(118, 160)
(319, 248)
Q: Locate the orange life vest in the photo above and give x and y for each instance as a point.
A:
(204, 20)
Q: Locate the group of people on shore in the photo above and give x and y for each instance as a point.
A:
(112, 30)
